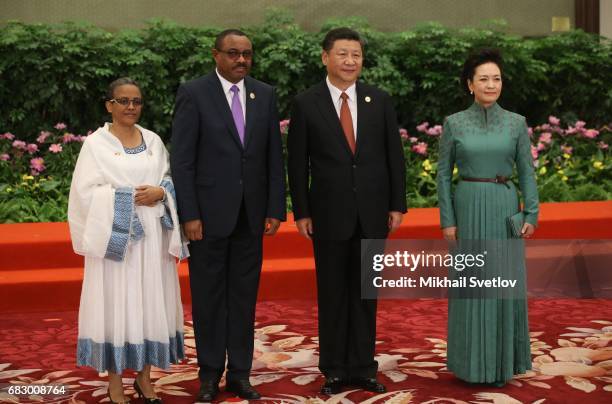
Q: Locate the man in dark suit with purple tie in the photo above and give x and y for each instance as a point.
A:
(227, 167)
(347, 180)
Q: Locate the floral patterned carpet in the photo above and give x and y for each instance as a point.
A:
(572, 357)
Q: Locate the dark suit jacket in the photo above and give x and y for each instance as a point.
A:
(212, 171)
(328, 183)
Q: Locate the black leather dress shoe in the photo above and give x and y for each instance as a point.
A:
(243, 389)
(368, 384)
(208, 390)
(332, 385)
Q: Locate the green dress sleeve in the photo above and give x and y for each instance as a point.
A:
(446, 163)
(524, 165)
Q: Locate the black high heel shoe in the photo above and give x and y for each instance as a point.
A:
(147, 400)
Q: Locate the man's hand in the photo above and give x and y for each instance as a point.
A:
(147, 195)
(395, 219)
(271, 226)
(450, 233)
(304, 227)
(193, 229)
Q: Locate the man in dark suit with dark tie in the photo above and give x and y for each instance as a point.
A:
(227, 167)
(347, 181)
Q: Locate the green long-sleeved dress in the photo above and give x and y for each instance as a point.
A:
(488, 338)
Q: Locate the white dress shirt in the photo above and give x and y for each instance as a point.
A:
(229, 95)
(352, 101)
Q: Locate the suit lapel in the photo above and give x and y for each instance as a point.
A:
(363, 111)
(328, 110)
(220, 100)
(251, 106)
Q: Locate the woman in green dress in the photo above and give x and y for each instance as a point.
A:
(488, 337)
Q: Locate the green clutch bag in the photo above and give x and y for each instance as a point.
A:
(516, 222)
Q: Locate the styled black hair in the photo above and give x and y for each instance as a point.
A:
(341, 33)
(110, 92)
(477, 58)
(221, 36)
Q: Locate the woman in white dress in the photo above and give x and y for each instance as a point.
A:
(122, 217)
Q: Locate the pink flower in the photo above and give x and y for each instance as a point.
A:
(571, 130)
(19, 144)
(413, 139)
(43, 136)
(55, 148)
(435, 130)
(423, 127)
(7, 136)
(580, 124)
(4, 157)
(602, 145)
(60, 126)
(545, 127)
(37, 165)
(80, 138)
(553, 120)
(69, 137)
(284, 125)
(32, 148)
(420, 148)
(590, 133)
(403, 134)
(541, 146)
(530, 131)
(567, 149)
(546, 137)
(534, 152)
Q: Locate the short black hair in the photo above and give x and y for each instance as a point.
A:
(221, 36)
(341, 33)
(477, 58)
(110, 91)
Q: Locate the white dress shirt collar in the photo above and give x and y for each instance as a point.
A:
(336, 92)
(229, 95)
(227, 85)
(351, 101)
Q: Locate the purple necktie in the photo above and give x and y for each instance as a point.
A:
(237, 112)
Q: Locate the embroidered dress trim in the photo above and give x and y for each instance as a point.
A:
(169, 186)
(184, 252)
(123, 216)
(166, 219)
(137, 230)
(104, 356)
(137, 149)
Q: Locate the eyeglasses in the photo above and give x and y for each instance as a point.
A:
(235, 54)
(137, 102)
